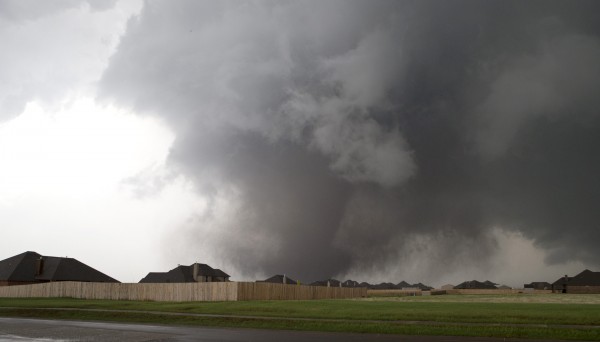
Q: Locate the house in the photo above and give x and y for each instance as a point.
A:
(31, 268)
(538, 285)
(474, 284)
(329, 283)
(403, 285)
(584, 282)
(422, 287)
(194, 273)
(560, 285)
(279, 279)
(447, 287)
(383, 286)
(351, 283)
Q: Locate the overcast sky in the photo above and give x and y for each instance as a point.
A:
(425, 141)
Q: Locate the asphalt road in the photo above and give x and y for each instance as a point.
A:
(28, 330)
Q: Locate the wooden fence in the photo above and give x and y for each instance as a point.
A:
(180, 292)
(393, 293)
(270, 291)
(494, 291)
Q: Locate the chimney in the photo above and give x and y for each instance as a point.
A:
(39, 266)
(196, 271)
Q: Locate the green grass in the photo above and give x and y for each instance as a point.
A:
(549, 298)
(469, 312)
(492, 319)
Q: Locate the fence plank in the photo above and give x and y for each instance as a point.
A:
(180, 292)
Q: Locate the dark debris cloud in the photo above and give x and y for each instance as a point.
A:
(335, 137)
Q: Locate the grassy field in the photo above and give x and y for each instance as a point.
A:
(524, 316)
(551, 298)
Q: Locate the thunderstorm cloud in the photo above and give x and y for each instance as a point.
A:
(344, 138)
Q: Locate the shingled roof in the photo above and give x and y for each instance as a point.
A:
(561, 281)
(585, 278)
(332, 282)
(538, 285)
(33, 267)
(21, 267)
(183, 274)
(278, 279)
(474, 284)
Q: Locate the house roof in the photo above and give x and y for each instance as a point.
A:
(537, 285)
(63, 269)
(183, 274)
(561, 281)
(423, 286)
(20, 267)
(403, 284)
(24, 267)
(585, 278)
(218, 273)
(474, 284)
(332, 282)
(154, 277)
(350, 283)
(176, 275)
(278, 279)
(383, 286)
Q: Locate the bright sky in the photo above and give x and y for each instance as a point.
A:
(67, 162)
(64, 188)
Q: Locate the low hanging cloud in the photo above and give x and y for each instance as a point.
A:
(338, 138)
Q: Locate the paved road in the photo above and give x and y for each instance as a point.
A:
(26, 330)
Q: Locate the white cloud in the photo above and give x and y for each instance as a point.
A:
(62, 191)
(80, 150)
(62, 48)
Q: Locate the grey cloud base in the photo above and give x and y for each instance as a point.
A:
(348, 133)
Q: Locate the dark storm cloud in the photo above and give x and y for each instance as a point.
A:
(345, 135)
